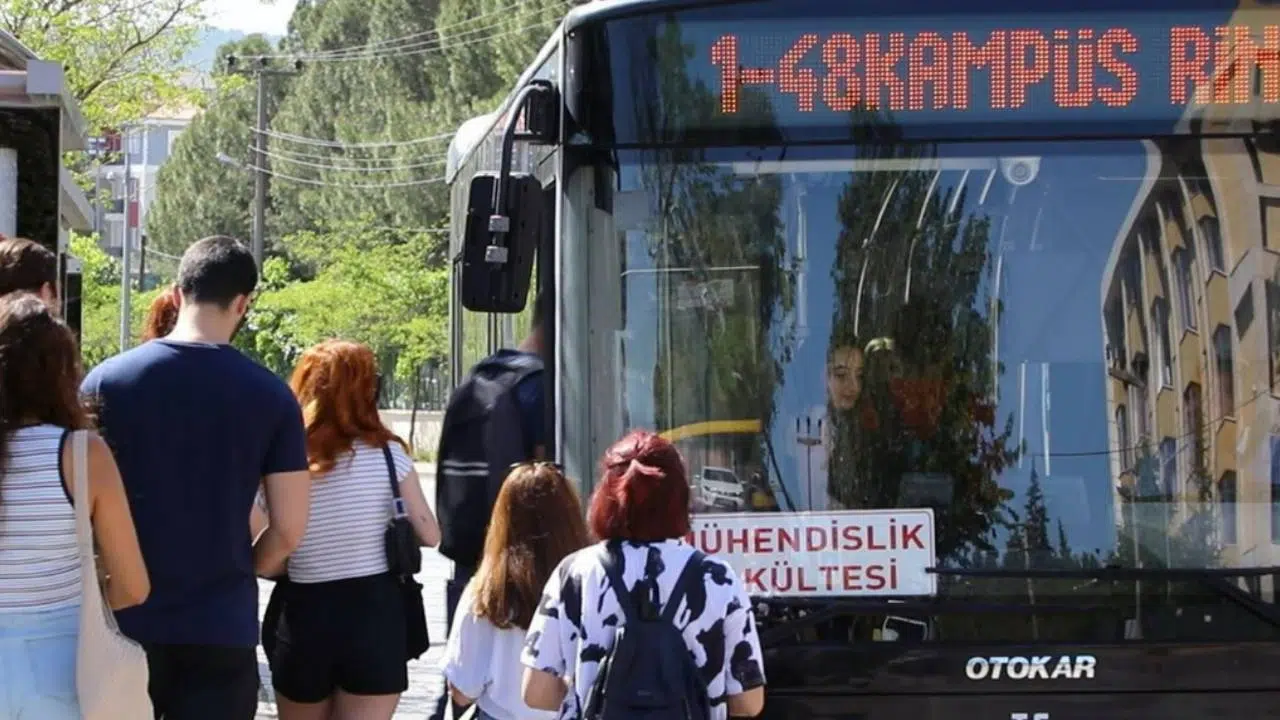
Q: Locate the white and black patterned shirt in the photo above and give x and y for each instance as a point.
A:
(573, 629)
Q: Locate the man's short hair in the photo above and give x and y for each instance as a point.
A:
(26, 265)
(217, 270)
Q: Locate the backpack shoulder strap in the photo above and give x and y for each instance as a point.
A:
(691, 574)
(619, 585)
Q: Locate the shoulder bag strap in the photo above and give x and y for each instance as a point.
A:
(619, 586)
(80, 492)
(397, 502)
(692, 573)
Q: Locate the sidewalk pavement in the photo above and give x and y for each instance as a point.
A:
(424, 676)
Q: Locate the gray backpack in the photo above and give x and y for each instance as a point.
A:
(649, 673)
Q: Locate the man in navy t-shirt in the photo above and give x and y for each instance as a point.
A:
(196, 428)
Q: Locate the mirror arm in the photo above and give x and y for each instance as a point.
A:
(499, 222)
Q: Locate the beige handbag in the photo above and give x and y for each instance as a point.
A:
(111, 669)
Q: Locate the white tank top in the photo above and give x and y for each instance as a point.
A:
(39, 560)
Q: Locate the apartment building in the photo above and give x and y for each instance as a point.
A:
(129, 186)
(1191, 308)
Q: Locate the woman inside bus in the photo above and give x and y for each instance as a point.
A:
(640, 509)
(536, 522)
(162, 314)
(40, 585)
(339, 645)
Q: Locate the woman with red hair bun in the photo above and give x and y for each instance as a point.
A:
(640, 513)
(162, 314)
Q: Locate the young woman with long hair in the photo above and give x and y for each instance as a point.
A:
(339, 647)
(640, 513)
(40, 586)
(536, 523)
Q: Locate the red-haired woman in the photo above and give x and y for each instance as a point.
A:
(162, 314)
(339, 649)
(536, 522)
(640, 511)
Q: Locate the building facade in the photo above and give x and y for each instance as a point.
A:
(1191, 306)
(127, 184)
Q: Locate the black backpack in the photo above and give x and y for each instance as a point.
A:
(481, 438)
(649, 673)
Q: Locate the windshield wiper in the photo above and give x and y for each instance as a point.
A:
(1215, 579)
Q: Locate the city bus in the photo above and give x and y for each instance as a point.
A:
(984, 295)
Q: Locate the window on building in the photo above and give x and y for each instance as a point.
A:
(1168, 467)
(1124, 439)
(1275, 489)
(1193, 428)
(1273, 330)
(1119, 354)
(1212, 236)
(1227, 507)
(1160, 311)
(1141, 416)
(1225, 371)
(1133, 278)
(1186, 288)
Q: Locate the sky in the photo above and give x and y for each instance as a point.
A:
(251, 16)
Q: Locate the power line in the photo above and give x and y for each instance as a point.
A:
(365, 186)
(372, 161)
(337, 144)
(435, 45)
(354, 168)
(411, 41)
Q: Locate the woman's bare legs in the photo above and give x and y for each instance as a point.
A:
(362, 707)
(290, 710)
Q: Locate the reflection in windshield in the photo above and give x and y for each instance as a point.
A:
(1060, 349)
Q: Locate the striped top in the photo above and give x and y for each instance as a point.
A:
(39, 559)
(350, 507)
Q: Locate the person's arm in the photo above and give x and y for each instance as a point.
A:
(420, 515)
(286, 484)
(533, 413)
(121, 557)
(467, 653)
(744, 671)
(544, 653)
(258, 519)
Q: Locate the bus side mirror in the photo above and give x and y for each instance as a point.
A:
(497, 264)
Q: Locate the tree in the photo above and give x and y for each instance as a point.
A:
(196, 193)
(122, 59)
(365, 285)
(100, 302)
(911, 260)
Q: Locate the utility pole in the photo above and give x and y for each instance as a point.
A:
(261, 71)
(125, 246)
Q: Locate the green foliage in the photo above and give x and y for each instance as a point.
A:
(122, 59)
(374, 286)
(197, 195)
(100, 302)
(352, 225)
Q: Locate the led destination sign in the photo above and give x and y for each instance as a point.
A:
(1032, 67)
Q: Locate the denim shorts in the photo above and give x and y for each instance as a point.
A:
(38, 664)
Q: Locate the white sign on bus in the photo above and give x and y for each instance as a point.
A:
(824, 554)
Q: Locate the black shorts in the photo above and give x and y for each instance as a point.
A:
(203, 682)
(344, 635)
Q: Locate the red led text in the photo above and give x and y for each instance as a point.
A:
(1079, 67)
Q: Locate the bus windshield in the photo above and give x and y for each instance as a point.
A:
(919, 302)
(1066, 351)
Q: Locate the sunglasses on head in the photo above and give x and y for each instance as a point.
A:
(537, 465)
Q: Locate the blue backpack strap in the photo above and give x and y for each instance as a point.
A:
(691, 574)
(625, 601)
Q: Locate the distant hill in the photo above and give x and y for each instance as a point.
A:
(202, 55)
